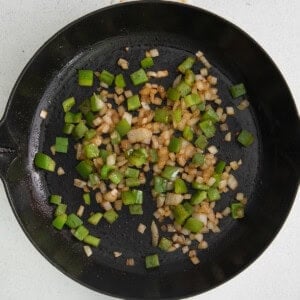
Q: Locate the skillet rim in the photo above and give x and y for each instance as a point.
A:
(99, 11)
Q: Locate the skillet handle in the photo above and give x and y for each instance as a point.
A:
(7, 149)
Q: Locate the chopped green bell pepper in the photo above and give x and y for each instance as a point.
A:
(45, 162)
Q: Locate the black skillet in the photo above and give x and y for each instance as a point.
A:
(269, 175)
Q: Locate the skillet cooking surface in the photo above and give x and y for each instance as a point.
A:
(268, 176)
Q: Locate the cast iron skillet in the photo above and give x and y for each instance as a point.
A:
(269, 175)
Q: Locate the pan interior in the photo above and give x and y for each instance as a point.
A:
(122, 235)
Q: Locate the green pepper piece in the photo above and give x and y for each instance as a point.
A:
(192, 99)
(68, 128)
(72, 118)
(175, 144)
(165, 244)
(60, 209)
(237, 90)
(93, 179)
(160, 184)
(110, 216)
(176, 115)
(180, 214)
(73, 221)
(180, 186)
(86, 198)
(210, 114)
(120, 81)
(139, 77)
(59, 221)
(201, 142)
(132, 197)
(161, 115)
(127, 197)
(92, 240)
(170, 172)
(106, 77)
(132, 182)
(188, 133)
(85, 77)
(133, 102)
(55, 199)
(188, 207)
(103, 154)
(186, 64)
(198, 197)
(96, 103)
(173, 94)
(91, 150)
(90, 117)
(153, 155)
(81, 232)
(183, 88)
(85, 168)
(85, 106)
(68, 104)
(132, 173)
(219, 168)
(135, 209)
(138, 196)
(105, 171)
(152, 261)
(200, 106)
(138, 157)
(208, 128)
(115, 138)
(245, 138)
(189, 77)
(123, 127)
(147, 62)
(90, 134)
(213, 194)
(199, 186)
(237, 210)
(115, 176)
(198, 159)
(194, 225)
(95, 218)
(218, 178)
(45, 162)
(79, 130)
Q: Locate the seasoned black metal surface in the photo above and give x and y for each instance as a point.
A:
(269, 175)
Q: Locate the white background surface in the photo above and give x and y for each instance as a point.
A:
(25, 26)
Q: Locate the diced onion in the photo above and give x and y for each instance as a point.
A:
(106, 205)
(88, 251)
(212, 149)
(173, 199)
(111, 159)
(80, 211)
(243, 105)
(195, 260)
(130, 262)
(154, 52)
(43, 114)
(155, 235)
(230, 110)
(239, 196)
(117, 254)
(141, 228)
(232, 182)
(227, 137)
(60, 171)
